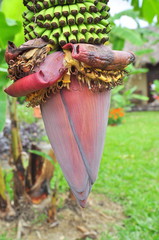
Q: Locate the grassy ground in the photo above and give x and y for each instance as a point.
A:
(129, 174)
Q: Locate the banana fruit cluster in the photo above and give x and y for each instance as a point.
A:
(61, 21)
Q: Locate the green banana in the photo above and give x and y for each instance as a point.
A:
(71, 1)
(61, 2)
(29, 27)
(79, 18)
(101, 6)
(56, 32)
(95, 38)
(81, 38)
(53, 2)
(62, 21)
(40, 15)
(46, 35)
(53, 40)
(40, 23)
(74, 29)
(92, 1)
(38, 31)
(108, 28)
(73, 9)
(81, 7)
(32, 35)
(90, 7)
(71, 20)
(25, 32)
(29, 16)
(66, 31)
(62, 40)
(97, 29)
(65, 10)
(105, 14)
(89, 38)
(32, 25)
(31, 6)
(82, 28)
(47, 4)
(90, 28)
(103, 38)
(57, 11)
(72, 38)
(25, 23)
(96, 17)
(104, 22)
(103, 28)
(25, 13)
(55, 22)
(88, 18)
(47, 24)
(39, 6)
(107, 8)
(27, 38)
(49, 13)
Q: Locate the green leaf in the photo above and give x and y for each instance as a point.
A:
(130, 13)
(144, 51)
(3, 106)
(3, 78)
(2, 51)
(156, 82)
(118, 43)
(135, 4)
(140, 70)
(150, 9)
(132, 70)
(9, 29)
(13, 9)
(43, 154)
(140, 97)
(130, 35)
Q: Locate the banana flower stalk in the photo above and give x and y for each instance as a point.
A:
(72, 87)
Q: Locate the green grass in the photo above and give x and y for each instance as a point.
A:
(129, 174)
(4, 237)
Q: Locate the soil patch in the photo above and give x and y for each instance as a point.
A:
(73, 223)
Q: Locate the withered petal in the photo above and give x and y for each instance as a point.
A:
(101, 57)
(49, 72)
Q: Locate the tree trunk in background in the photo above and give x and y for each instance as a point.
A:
(6, 211)
(16, 150)
(3, 197)
(16, 146)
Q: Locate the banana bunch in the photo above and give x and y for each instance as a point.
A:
(61, 21)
